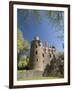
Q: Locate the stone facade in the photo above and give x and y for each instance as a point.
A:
(40, 55)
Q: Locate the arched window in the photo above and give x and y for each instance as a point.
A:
(37, 59)
(43, 54)
(36, 52)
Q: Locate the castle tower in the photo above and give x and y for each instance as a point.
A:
(36, 55)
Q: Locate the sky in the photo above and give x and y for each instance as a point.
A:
(31, 27)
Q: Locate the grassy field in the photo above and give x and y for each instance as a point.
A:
(39, 78)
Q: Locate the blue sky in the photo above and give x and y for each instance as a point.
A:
(43, 29)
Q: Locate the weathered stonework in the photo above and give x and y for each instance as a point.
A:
(39, 55)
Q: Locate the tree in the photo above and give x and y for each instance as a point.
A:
(57, 20)
(26, 45)
(22, 46)
(56, 67)
(20, 41)
(60, 63)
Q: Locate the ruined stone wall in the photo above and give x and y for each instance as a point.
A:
(28, 74)
(36, 56)
(46, 57)
(40, 56)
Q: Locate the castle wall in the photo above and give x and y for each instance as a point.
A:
(46, 57)
(36, 56)
(28, 74)
(40, 56)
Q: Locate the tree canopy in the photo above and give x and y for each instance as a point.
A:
(21, 43)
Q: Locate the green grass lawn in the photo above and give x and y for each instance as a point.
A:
(38, 78)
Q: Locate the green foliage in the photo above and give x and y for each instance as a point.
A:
(26, 45)
(60, 56)
(37, 15)
(20, 41)
(57, 20)
(23, 62)
(56, 68)
(60, 63)
(55, 16)
(22, 45)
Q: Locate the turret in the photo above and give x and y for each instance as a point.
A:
(36, 55)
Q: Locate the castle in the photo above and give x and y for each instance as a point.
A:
(40, 55)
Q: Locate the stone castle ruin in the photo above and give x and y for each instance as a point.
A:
(40, 55)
